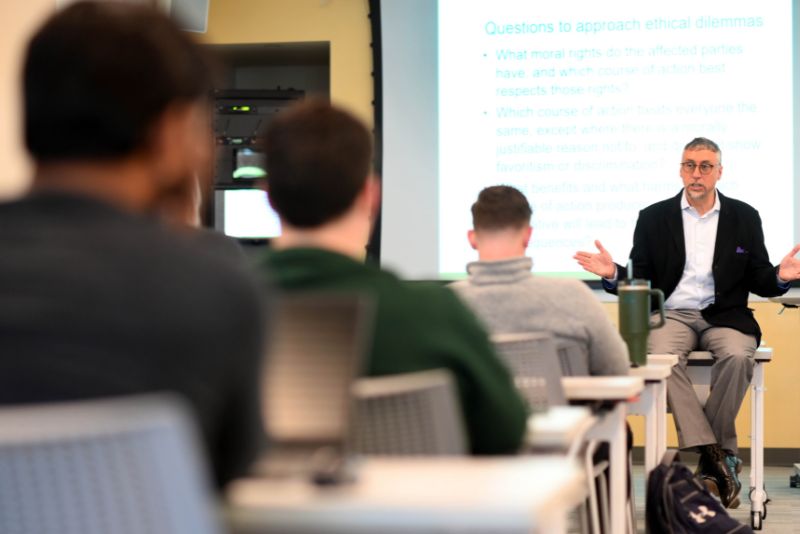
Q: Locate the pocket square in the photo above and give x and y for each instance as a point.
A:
(740, 250)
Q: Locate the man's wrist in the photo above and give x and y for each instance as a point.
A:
(783, 284)
(610, 283)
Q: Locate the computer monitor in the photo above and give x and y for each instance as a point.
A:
(316, 349)
(245, 214)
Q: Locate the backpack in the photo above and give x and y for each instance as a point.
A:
(679, 503)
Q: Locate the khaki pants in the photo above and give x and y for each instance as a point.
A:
(685, 331)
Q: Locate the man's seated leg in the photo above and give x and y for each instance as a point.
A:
(733, 369)
(679, 336)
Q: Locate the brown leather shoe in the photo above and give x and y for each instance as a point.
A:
(718, 477)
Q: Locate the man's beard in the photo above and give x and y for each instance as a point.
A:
(697, 195)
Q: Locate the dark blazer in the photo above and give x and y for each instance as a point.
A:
(741, 264)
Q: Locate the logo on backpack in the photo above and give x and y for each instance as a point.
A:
(679, 503)
(701, 514)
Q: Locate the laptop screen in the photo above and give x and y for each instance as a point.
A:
(317, 349)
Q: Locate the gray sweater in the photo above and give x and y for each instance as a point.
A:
(508, 298)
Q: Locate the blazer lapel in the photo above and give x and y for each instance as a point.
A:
(726, 230)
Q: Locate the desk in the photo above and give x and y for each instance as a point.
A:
(652, 404)
(443, 494)
(792, 298)
(611, 428)
(560, 428)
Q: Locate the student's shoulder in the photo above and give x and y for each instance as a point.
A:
(459, 285)
(205, 260)
(555, 284)
(428, 297)
(412, 288)
(565, 292)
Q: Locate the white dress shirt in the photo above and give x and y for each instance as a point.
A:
(695, 290)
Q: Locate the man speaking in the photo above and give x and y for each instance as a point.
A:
(706, 252)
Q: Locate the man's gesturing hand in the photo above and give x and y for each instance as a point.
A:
(601, 263)
(790, 266)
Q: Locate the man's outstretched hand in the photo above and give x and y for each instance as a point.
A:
(602, 265)
(790, 266)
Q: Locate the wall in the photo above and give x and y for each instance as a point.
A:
(311, 78)
(18, 19)
(343, 23)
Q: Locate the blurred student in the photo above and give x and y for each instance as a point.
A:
(183, 210)
(508, 298)
(320, 184)
(98, 297)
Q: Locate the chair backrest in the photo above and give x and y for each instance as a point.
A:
(533, 361)
(317, 348)
(112, 466)
(573, 355)
(408, 414)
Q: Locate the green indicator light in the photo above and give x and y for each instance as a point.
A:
(241, 108)
(249, 172)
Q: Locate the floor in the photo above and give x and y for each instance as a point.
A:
(783, 510)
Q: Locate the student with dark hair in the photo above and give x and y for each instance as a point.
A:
(319, 182)
(500, 207)
(98, 297)
(504, 293)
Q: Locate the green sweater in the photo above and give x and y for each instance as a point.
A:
(418, 327)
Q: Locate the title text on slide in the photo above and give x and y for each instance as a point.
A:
(655, 51)
(599, 26)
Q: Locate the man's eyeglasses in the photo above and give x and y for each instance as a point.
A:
(690, 166)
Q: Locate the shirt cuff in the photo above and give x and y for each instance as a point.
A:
(782, 284)
(610, 283)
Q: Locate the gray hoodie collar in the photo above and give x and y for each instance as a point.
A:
(499, 272)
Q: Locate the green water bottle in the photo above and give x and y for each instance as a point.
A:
(634, 316)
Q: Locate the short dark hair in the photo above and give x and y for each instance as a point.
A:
(701, 142)
(98, 75)
(318, 159)
(499, 207)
